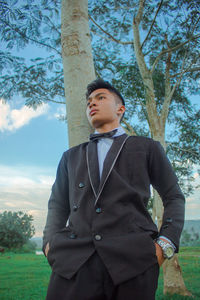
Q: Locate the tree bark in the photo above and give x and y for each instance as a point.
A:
(173, 279)
(78, 66)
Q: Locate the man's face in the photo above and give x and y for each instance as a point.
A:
(102, 108)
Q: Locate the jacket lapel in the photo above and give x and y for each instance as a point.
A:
(93, 166)
(110, 160)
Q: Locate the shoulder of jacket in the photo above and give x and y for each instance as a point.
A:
(75, 149)
(140, 138)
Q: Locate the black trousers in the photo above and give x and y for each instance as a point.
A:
(93, 282)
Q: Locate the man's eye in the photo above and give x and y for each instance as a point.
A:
(101, 97)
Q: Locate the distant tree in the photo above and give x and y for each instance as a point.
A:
(190, 238)
(30, 246)
(185, 238)
(15, 229)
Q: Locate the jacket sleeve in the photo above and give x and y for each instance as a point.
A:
(164, 180)
(58, 205)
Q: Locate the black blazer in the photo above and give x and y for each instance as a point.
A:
(110, 215)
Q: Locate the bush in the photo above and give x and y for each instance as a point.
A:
(15, 229)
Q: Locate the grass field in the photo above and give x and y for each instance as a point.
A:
(25, 276)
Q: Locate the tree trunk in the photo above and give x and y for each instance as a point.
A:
(157, 121)
(78, 66)
(173, 280)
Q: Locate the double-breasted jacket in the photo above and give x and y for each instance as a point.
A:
(109, 215)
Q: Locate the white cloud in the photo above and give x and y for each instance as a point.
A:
(189, 200)
(60, 112)
(10, 204)
(13, 119)
(194, 206)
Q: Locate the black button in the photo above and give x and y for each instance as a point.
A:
(75, 208)
(98, 237)
(81, 185)
(73, 236)
(169, 220)
(98, 210)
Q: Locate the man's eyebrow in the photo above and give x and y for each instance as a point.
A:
(97, 95)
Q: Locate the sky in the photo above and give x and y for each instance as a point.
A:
(31, 145)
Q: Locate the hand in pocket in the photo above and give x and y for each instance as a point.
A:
(159, 254)
(46, 249)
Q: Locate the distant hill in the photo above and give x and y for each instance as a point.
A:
(192, 226)
(38, 241)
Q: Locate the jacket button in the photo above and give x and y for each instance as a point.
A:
(169, 220)
(75, 208)
(98, 210)
(73, 236)
(98, 237)
(81, 185)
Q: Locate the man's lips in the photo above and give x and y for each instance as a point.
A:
(93, 111)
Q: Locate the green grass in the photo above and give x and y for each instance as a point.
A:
(26, 276)
(189, 259)
(23, 276)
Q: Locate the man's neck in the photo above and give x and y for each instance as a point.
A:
(107, 127)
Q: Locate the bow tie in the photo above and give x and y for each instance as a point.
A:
(97, 136)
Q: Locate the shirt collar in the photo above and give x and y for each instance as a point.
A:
(120, 131)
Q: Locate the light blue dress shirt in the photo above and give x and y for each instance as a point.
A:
(103, 146)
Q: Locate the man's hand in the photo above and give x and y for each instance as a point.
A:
(159, 254)
(46, 249)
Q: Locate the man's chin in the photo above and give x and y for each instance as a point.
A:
(95, 122)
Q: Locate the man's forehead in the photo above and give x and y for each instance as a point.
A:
(99, 91)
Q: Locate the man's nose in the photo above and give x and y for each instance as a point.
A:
(92, 103)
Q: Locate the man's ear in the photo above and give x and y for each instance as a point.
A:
(121, 109)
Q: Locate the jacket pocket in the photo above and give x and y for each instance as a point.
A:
(145, 226)
(52, 242)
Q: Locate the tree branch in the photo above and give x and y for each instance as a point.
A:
(186, 71)
(108, 34)
(171, 50)
(182, 149)
(109, 39)
(144, 110)
(54, 27)
(54, 101)
(168, 95)
(29, 38)
(129, 128)
(139, 15)
(144, 71)
(152, 24)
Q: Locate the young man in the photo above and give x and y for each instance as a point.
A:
(110, 247)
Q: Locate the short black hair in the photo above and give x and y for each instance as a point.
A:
(101, 84)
